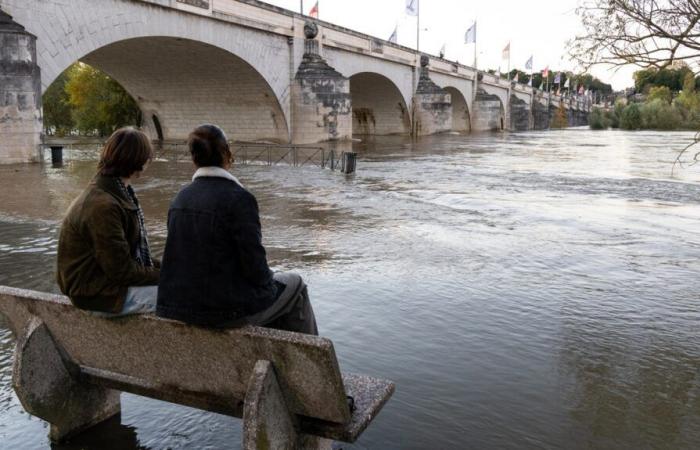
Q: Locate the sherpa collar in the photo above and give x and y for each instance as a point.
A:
(216, 172)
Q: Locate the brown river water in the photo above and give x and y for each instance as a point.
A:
(537, 290)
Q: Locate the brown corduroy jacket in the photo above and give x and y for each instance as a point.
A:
(95, 264)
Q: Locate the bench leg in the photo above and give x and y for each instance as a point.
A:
(45, 381)
(267, 423)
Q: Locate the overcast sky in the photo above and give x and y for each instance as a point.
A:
(538, 28)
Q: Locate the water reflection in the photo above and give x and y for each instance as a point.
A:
(532, 290)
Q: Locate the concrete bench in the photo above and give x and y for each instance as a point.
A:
(71, 366)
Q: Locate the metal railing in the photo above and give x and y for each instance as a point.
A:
(250, 153)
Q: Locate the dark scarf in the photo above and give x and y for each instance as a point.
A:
(142, 255)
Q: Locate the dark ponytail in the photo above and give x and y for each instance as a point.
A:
(209, 146)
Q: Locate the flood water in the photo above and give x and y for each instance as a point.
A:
(537, 290)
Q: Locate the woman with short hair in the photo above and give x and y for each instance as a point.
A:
(215, 271)
(104, 261)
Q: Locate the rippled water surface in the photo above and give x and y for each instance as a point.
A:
(533, 290)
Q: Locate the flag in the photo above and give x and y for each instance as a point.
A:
(529, 83)
(506, 52)
(517, 77)
(580, 90)
(557, 79)
(394, 38)
(567, 84)
(314, 11)
(528, 64)
(541, 86)
(442, 50)
(470, 37)
(412, 7)
(545, 72)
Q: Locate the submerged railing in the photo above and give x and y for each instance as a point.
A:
(244, 154)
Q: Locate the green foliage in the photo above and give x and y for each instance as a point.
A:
(58, 117)
(673, 79)
(631, 118)
(662, 93)
(660, 115)
(612, 119)
(598, 119)
(100, 104)
(86, 100)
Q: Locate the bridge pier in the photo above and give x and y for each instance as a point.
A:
(20, 94)
(322, 110)
(432, 105)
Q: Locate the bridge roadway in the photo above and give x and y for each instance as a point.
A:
(251, 68)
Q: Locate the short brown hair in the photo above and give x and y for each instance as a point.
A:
(126, 151)
(209, 146)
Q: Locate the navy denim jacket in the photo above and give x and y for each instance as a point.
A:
(214, 269)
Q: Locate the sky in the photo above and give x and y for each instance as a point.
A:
(535, 28)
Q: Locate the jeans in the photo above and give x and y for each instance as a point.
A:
(291, 311)
(139, 300)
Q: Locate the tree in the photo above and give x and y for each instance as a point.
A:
(561, 118)
(661, 93)
(100, 105)
(58, 118)
(647, 33)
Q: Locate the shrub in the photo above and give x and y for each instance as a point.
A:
(613, 119)
(659, 115)
(662, 93)
(598, 119)
(631, 118)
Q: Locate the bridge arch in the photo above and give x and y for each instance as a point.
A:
(461, 117)
(489, 112)
(378, 107)
(212, 52)
(180, 83)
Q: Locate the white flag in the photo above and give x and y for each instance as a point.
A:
(506, 52)
(567, 83)
(394, 36)
(412, 7)
(442, 50)
(528, 64)
(470, 36)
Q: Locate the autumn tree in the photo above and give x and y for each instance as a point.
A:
(58, 114)
(646, 33)
(100, 104)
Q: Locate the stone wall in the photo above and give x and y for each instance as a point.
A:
(540, 114)
(489, 114)
(20, 94)
(378, 107)
(519, 114)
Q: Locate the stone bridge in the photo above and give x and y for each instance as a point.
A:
(261, 72)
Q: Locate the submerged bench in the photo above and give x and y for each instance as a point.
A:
(71, 366)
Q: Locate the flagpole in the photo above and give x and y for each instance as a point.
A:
(509, 60)
(418, 27)
(301, 7)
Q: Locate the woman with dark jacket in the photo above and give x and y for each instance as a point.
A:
(215, 271)
(104, 262)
